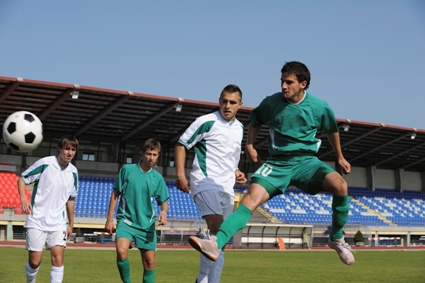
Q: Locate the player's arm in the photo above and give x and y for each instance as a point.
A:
(336, 145)
(162, 217)
(70, 209)
(109, 225)
(25, 204)
(251, 152)
(179, 159)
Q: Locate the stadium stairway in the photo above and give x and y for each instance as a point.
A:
(373, 212)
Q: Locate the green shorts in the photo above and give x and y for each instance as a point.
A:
(304, 172)
(144, 239)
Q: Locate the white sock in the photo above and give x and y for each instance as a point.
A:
(204, 269)
(216, 269)
(31, 273)
(56, 274)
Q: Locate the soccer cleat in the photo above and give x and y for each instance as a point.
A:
(343, 249)
(207, 247)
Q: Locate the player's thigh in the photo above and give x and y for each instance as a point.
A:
(148, 259)
(35, 239)
(310, 174)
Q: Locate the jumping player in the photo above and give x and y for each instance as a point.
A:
(55, 182)
(294, 116)
(138, 184)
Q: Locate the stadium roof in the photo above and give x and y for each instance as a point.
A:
(127, 115)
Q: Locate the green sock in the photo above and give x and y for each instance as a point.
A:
(149, 276)
(124, 269)
(236, 221)
(340, 210)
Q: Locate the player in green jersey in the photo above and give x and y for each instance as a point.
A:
(293, 116)
(138, 184)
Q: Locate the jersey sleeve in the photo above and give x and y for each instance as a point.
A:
(161, 195)
(196, 132)
(120, 179)
(33, 172)
(328, 124)
(260, 115)
(75, 191)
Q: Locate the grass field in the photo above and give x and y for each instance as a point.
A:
(84, 265)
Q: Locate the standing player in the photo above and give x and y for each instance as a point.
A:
(138, 184)
(55, 182)
(217, 140)
(293, 116)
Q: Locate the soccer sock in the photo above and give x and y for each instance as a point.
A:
(340, 210)
(31, 273)
(124, 269)
(216, 269)
(56, 274)
(236, 221)
(149, 276)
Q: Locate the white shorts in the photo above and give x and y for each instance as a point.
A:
(214, 202)
(36, 239)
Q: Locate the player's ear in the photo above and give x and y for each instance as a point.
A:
(303, 84)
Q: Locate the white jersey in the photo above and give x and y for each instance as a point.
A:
(217, 145)
(53, 186)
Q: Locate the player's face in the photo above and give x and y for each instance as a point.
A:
(66, 154)
(292, 90)
(149, 158)
(229, 105)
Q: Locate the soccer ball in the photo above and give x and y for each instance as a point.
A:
(22, 131)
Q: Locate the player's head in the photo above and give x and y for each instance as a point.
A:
(150, 152)
(67, 147)
(299, 70)
(230, 101)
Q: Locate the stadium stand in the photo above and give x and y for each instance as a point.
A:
(382, 207)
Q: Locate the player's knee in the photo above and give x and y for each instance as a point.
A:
(336, 185)
(34, 264)
(149, 264)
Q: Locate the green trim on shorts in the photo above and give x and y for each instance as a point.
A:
(271, 190)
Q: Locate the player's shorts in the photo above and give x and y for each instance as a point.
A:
(37, 239)
(214, 202)
(144, 239)
(304, 172)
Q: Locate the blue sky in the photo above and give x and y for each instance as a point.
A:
(367, 58)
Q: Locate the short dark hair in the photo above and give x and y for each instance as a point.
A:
(68, 140)
(299, 70)
(151, 144)
(231, 88)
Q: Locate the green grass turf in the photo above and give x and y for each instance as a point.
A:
(83, 265)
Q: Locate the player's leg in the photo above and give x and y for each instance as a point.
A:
(123, 238)
(148, 259)
(209, 203)
(56, 242)
(217, 266)
(145, 241)
(325, 178)
(35, 240)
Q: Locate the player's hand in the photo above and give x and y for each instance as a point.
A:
(69, 232)
(26, 206)
(251, 154)
(240, 177)
(345, 166)
(110, 227)
(162, 218)
(182, 184)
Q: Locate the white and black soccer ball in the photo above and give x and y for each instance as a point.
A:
(22, 131)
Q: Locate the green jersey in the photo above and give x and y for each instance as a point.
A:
(293, 127)
(137, 190)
